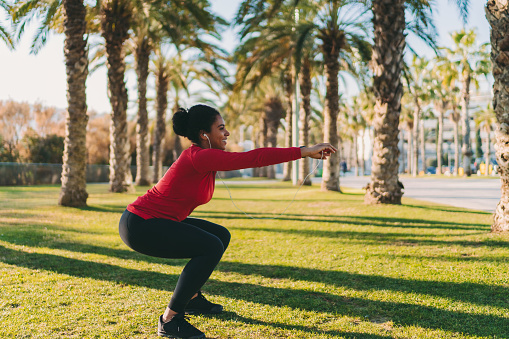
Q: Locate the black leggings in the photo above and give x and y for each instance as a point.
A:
(202, 241)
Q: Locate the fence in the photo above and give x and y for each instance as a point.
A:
(13, 174)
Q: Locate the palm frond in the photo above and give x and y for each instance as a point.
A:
(5, 35)
(43, 32)
(421, 22)
(23, 13)
(463, 6)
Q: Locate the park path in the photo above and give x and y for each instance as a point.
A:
(479, 194)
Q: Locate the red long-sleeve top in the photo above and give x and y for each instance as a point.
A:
(189, 182)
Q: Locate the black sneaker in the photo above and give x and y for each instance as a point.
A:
(200, 305)
(178, 328)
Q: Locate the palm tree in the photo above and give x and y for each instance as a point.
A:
(442, 92)
(366, 102)
(389, 30)
(317, 101)
(440, 107)
(268, 46)
(24, 11)
(172, 73)
(73, 191)
(305, 116)
(115, 23)
(497, 13)
(389, 27)
(162, 75)
(353, 123)
(358, 124)
(143, 44)
(142, 57)
(455, 117)
(250, 108)
(486, 119)
(423, 136)
(407, 119)
(5, 35)
(289, 105)
(273, 112)
(471, 61)
(73, 12)
(339, 27)
(338, 37)
(261, 107)
(417, 82)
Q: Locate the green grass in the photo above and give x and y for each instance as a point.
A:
(331, 267)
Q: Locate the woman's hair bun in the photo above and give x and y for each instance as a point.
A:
(191, 123)
(181, 122)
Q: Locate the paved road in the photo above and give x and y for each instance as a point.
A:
(480, 194)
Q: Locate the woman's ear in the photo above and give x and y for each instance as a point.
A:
(204, 136)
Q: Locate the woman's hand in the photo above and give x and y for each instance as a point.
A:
(318, 151)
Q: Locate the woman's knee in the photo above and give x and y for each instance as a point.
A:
(215, 247)
(225, 237)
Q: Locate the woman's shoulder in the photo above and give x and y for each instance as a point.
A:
(197, 150)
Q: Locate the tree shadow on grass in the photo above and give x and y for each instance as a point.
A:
(39, 237)
(400, 313)
(356, 220)
(389, 239)
(473, 293)
(449, 209)
(286, 200)
(464, 257)
(260, 187)
(310, 330)
(465, 292)
(104, 208)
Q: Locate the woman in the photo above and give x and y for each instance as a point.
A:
(158, 223)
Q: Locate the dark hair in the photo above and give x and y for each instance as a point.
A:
(189, 123)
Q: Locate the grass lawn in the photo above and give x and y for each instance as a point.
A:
(331, 267)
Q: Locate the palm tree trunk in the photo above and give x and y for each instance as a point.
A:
(273, 113)
(409, 150)
(402, 164)
(347, 149)
(288, 87)
(456, 149)
(330, 176)
(262, 172)
(389, 43)
(142, 56)
(73, 191)
(305, 115)
(497, 13)
(162, 81)
(440, 140)
(363, 162)
(423, 147)
(487, 154)
(466, 149)
(256, 140)
(177, 143)
(115, 21)
(415, 150)
(356, 154)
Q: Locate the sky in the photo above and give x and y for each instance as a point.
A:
(41, 78)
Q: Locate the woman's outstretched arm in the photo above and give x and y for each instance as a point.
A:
(207, 160)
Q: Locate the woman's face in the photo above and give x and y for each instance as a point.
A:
(218, 134)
